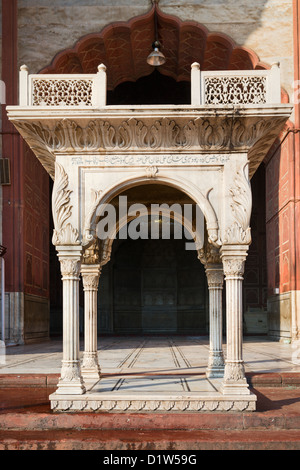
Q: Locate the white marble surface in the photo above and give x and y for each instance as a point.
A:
(151, 354)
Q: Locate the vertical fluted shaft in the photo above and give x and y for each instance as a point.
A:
(214, 274)
(90, 278)
(234, 376)
(71, 381)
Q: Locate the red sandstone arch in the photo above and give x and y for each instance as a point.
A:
(124, 46)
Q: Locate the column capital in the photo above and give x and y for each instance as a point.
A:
(214, 275)
(233, 259)
(209, 254)
(90, 274)
(70, 261)
(91, 255)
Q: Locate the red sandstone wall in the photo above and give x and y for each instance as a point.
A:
(36, 226)
(280, 217)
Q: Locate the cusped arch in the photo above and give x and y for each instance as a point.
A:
(124, 46)
(188, 188)
(107, 244)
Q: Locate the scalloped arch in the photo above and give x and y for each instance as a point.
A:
(124, 46)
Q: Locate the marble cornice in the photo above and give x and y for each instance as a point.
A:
(123, 130)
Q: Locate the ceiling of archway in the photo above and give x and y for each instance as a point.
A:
(124, 46)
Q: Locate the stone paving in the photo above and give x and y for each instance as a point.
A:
(161, 354)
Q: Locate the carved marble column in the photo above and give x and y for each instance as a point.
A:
(214, 274)
(90, 278)
(233, 258)
(71, 381)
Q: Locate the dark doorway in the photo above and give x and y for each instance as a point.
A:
(155, 88)
(156, 287)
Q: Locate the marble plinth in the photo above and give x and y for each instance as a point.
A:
(160, 393)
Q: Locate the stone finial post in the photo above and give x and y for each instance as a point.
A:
(99, 87)
(23, 86)
(195, 84)
(274, 86)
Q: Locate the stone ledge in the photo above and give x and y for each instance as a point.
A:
(152, 402)
(273, 379)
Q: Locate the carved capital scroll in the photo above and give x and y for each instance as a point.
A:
(64, 233)
(89, 223)
(239, 233)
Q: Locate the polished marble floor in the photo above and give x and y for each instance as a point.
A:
(151, 354)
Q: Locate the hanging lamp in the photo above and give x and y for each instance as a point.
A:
(156, 57)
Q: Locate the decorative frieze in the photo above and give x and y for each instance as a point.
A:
(203, 134)
(206, 133)
(154, 405)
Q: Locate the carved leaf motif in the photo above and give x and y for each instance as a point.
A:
(132, 133)
(234, 373)
(60, 197)
(152, 405)
(239, 232)
(64, 234)
(65, 405)
(151, 171)
(242, 197)
(164, 133)
(226, 405)
(89, 222)
(211, 405)
(108, 134)
(95, 405)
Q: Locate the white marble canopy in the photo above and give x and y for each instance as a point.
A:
(208, 149)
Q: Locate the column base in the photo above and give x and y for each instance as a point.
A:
(71, 381)
(214, 372)
(234, 382)
(235, 388)
(90, 368)
(71, 389)
(216, 366)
